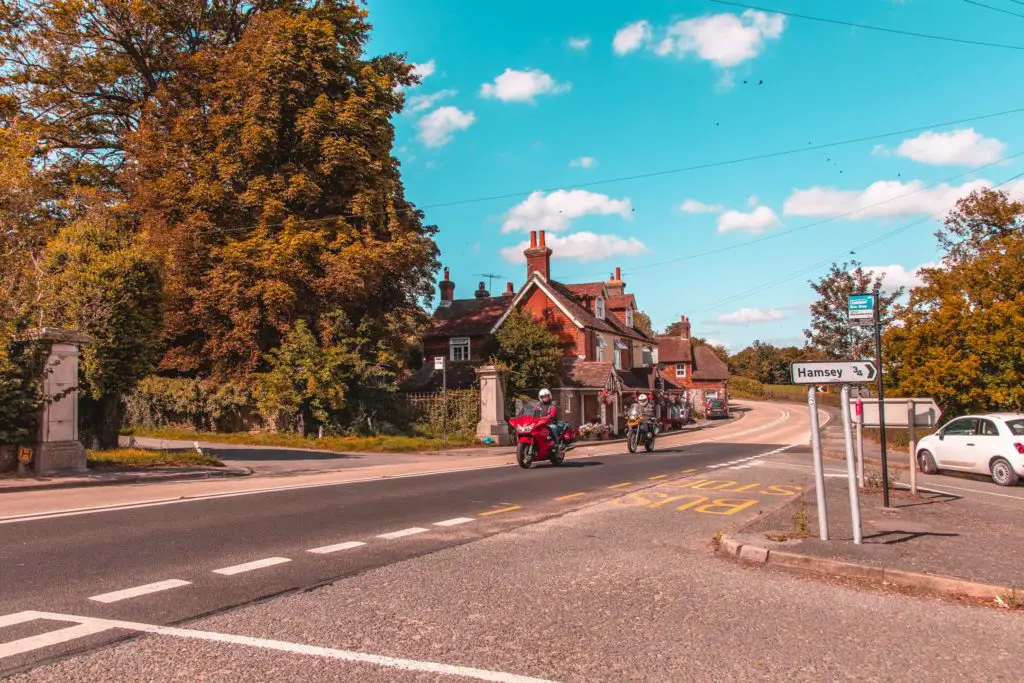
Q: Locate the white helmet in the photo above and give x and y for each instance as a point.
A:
(544, 393)
(642, 399)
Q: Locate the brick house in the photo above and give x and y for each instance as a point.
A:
(692, 367)
(606, 355)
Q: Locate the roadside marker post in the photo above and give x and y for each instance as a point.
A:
(851, 473)
(881, 403)
(912, 446)
(860, 442)
(441, 364)
(819, 466)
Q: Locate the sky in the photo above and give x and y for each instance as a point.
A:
(586, 119)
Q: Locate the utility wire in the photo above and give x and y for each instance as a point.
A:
(864, 245)
(776, 235)
(640, 176)
(995, 9)
(883, 29)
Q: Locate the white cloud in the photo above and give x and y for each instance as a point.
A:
(523, 86)
(582, 246)
(723, 39)
(966, 147)
(583, 162)
(579, 43)
(897, 276)
(632, 37)
(745, 316)
(436, 128)
(755, 222)
(424, 70)
(694, 206)
(822, 202)
(418, 103)
(725, 82)
(557, 210)
(717, 342)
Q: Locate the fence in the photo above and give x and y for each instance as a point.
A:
(428, 414)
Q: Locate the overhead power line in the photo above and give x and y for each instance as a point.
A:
(639, 176)
(835, 257)
(883, 29)
(995, 9)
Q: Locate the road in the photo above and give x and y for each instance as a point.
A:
(599, 570)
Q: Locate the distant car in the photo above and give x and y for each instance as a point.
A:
(991, 444)
(716, 408)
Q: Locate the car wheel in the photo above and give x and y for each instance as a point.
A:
(1002, 473)
(927, 463)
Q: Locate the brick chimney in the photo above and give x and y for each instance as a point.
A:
(447, 288)
(615, 285)
(509, 289)
(481, 292)
(538, 256)
(684, 328)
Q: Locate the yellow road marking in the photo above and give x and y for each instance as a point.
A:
(659, 476)
(498, 512)
(571, 495)
(692, 469)
(619, 486)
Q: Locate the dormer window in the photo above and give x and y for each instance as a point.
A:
(599, 307)
(629, 317)
(601, 345)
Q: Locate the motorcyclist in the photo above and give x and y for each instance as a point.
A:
(647, 411)
(550, 412)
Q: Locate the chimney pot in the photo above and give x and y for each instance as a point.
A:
(618, 273)
(542, 239)
(509, 289)
(447, 288)
(533, 239)
(446, 274)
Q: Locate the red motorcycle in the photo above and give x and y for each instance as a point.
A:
(533, 436)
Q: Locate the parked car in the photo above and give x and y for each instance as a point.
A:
(991, 444)
(715, 408)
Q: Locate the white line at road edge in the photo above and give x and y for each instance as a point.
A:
(347, 545)
(403, 533)
(127, 593)
(784, 415)
(90, 625)
(454, 522)
(251, 566)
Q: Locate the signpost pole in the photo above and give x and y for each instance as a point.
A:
(851, 473)
(881, 401)
(912, 445)
(819, 467)
(444, 402)
(860, 442)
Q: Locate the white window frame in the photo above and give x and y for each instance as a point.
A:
(680, 371)
(599, 307)
(460, 345)
(647, 355)
(617, 358)
(629, 317)
(599, 346)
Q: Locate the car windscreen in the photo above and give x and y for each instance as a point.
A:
(1016, 427)
(717, 404)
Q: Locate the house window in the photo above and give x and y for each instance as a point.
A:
(601, 346)
(460, 348)
(648, 356)
(680, 371)
(599, 308)
(629, 317)
(711, 393)
(620, 349)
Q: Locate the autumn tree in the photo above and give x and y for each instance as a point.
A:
(961, 335)
(642, 322)
(769, 364)
(529, 353)
(830, 332)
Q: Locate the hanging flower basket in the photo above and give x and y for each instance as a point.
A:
(606, 397)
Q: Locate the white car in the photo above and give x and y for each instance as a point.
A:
(990, 444)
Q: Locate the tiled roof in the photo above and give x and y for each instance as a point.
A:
(591, 289)
(621, 301)
(707, 365)
(673, 349)
(586, 373)
(468, 317)
(568, 299)
(641, 379)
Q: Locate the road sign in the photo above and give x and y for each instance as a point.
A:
(439, 362)
(861, 308)
(834, 372)
(926, 412)
(25, 456)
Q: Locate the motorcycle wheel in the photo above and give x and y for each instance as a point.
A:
(558, 456)
(524, 455)
(631, 442)
(649, 444)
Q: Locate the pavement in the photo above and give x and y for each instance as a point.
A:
(591, 584)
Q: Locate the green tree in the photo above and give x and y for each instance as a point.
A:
(642, 322)
(961, 335)
(769, 364)
(528, 352)
(830, 332)
(718, 349)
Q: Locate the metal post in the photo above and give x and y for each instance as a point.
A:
(881, 399)
(860, 443)
(851, 475)
(444, 402)
(912, 446)
(819, 467)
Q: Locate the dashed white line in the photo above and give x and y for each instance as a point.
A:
(63, 635)
(117, 596)
(454, 522)
(250, 566)
(347, 545)
(403, 533)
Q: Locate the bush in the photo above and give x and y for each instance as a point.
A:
(198, 405)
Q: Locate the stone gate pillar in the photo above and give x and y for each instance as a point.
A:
(56, 447)
(492, 407)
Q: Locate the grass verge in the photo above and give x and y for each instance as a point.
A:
(341, 444)
(135, 457)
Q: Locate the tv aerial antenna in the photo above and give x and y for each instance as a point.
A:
(490, 279)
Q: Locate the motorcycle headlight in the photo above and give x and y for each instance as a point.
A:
(523, 429)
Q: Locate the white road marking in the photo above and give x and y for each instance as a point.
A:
(89, 625)
(127, 593)
(347, 545)
(959, 488)
(403, 533)
(454, 522)
(250, 566)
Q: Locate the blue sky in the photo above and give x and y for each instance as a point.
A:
(533, 99)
